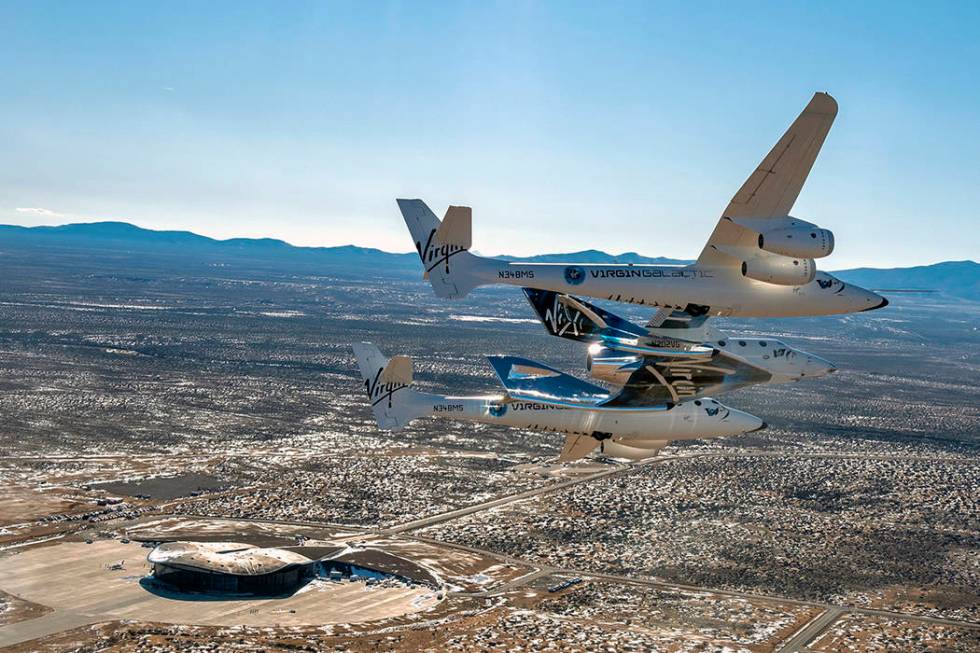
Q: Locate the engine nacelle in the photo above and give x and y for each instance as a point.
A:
(800, 241)
(611, 366)
(781, 270)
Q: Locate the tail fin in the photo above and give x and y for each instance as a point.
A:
(569, 317)
(387, 383)
(443, 247)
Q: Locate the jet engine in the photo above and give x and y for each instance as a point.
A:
(611, 366)
(790, 236)
(802, 240)
(781, 270)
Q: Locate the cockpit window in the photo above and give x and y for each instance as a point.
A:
(697, 402)
(721, 343)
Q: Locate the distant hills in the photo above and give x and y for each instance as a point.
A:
(956, 278)
(128, 237)
(123, 235)
(597, 256)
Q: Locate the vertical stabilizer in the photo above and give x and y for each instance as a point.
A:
(444, 247)
(387, 383)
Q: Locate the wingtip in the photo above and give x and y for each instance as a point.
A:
(823, 102)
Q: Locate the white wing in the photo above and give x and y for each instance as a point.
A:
(772, 189)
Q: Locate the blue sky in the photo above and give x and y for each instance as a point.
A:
(566, 126)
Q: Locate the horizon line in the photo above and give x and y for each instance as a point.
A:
(412, 251)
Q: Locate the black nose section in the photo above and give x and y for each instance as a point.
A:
(884, 303)
(761, 428)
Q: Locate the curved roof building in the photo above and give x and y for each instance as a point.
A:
(229, 567)
(234, 567)
(225, 557)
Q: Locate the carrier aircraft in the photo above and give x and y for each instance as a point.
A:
(758, 262)
(540, 398)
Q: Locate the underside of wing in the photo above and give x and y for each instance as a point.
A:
(620, 450)
(771, 190)
(671, 380)
(577, 447)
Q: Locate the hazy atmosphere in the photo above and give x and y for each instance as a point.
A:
(633, 123)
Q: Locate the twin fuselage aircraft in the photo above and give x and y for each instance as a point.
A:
(758, 262)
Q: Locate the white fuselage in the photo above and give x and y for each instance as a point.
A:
(783, 362)
(721, 291)
(704, 418)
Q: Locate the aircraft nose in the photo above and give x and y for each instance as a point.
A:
(817, 367)
(875, 300)
(744, 422)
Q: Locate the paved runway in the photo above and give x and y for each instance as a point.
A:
(75, 579)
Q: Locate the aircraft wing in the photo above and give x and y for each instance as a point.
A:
(668, 380)
(577, 447)
(617, 450)
(529, 380)
(772, 189)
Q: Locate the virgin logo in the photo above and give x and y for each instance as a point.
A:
(432, 254)
(561, 319)
(378, 391)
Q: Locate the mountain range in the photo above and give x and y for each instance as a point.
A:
(955, 278)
